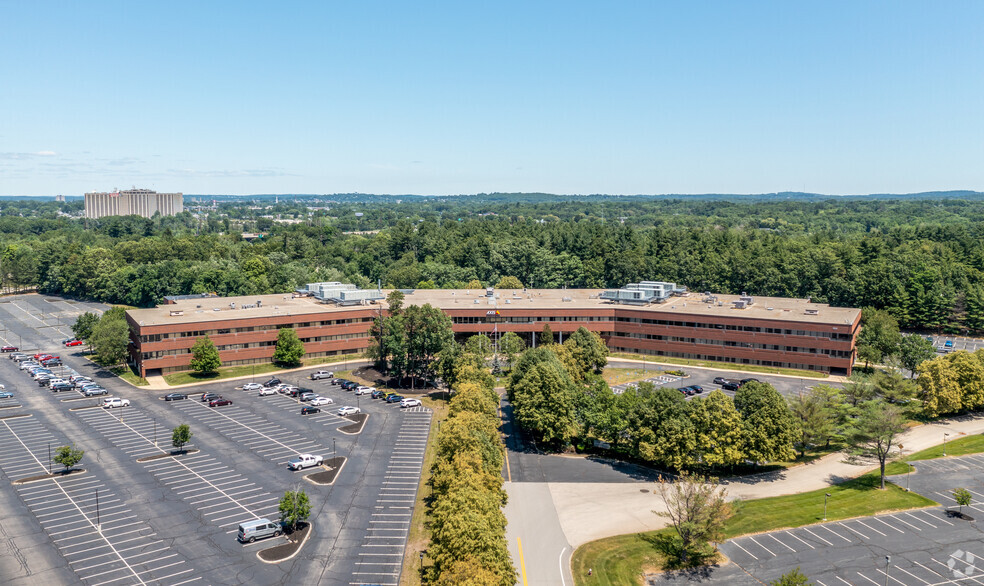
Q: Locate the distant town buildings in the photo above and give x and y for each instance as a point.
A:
(139, 202)
(59, 198)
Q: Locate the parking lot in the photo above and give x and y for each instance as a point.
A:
(923, 547)
(181, 513)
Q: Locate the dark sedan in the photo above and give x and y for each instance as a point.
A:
(219, 402)
(210, 397)
(394, 399)
(349, 385)
(720, 380)
(308, 410)
(272, 382)
(750, 380)
(175, 396)
(377, 394)
(697, 389)
(731, 385)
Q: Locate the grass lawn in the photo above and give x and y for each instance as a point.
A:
(127, 374)
(188, 377)
(419, 537)
(617, 376)
(722, 365)
(622, 559)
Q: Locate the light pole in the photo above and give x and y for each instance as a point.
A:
(421, 561)
(49, 457)
(945, 435)
(333, 452)
(155, 433)
(825, 497)
(888, 560)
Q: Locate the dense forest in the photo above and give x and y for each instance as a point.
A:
(920, 259)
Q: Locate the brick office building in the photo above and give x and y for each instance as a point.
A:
(779, 332)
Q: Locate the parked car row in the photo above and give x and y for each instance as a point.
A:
(730, 384)
(691, 390)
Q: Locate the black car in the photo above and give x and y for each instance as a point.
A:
(210, 396)
(377, 394)
(730, 385)
(720, 380)
(697, 389)
(61, 387)
(349, 385)
(394, 399)
(272, 382)
(750, 380)
(175, 396)
(308, 410)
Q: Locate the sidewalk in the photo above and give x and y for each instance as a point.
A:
(589, 511)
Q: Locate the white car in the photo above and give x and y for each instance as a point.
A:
(28, 364)
(318, 401)
(349, 411)
(285, 389)
(110, 402)
(303, 461)
(252, 386)
(322, 374)
(264, 391)
(410, 403)
(363, 390)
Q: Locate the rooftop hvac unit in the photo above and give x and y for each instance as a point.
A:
(566, 299)
(738, 304)
(812, 312)
(508, 300)
(477, 301)
(179, 312)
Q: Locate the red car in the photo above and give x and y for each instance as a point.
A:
(73, 343)
(9, 349)
(219, 402)
(42, 356)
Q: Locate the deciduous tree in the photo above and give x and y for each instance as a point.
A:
(294, 508)
(110, 338)
(509, 283)
(938, 387)
(180, 436)
(82, 328)
(720, 436)
(204, 356)
(290, 348)
(697, 510)
(769, 426)
(914, 350)
(876, 430)
(68, 456)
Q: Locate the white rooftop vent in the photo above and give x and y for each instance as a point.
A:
(768, 309)
(508, 300)
(477, 301)
(215, 309)
(567, 299)
(177, 312)
(812, 312)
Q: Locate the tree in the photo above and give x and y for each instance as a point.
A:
(546, 336)
(859, 389)
(879, 335)
(180, 436)
(110, 338)
(769, 426)
(204, 356)
(968, 372)
(938, 388)
(290, 348)
(511, 344)
(68, 456)
(294, 508)
(543, 400)
(697, 510)
(894, 387)
(813, 421)
(82, 328)
(426, 332)
(467, 572)
(474, 284)
(792, 578)
(479, 345)
(875, 431)
(587, 349)
(963, 498)
(718, 430)
(914, 350)
(509, 283)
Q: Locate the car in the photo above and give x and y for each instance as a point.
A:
(319, 400)
(272, 382)
(731, 385)
(948, 344)
(43, 379)
(81, 382)
(250, 531)
(26, 364)
(209, 397)
(308, 410)
(303, 461)
(349, 411)
(41, 372)
(9, 348)
(697, 389)
(410, 403)
(71, 343)
(749, 380)
(348, 385)
(53, 380)
(929, 338)
(394, 398)
(6, 395)
(322, 374)
(18, 356)
(42, 356)
(287, 390)
(252, 386)
(61, 387)
(88, 385)
(77, 377)
(377, 394)
(110, 402)
(264, 391)
(52, 362)
(941, 348)
(363, 390)
(306, 396)
(219, 402)
(684, 390)
(94, 392)
(175, 397)
(720, 380)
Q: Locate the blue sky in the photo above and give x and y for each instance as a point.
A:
(468, 97)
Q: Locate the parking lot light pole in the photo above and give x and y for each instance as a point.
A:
(155, 433)
(421, 561)
(49, 457)
(825, 497)
(945, 435)
(333, 447)
(888, 561)
(98, 523)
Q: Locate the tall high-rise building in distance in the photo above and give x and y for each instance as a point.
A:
(140, 202)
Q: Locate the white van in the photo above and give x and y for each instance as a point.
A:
(250, 531)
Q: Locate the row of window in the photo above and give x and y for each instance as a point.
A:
(200, 333)
(733, 344)
(731, 359)
(728, 327)
(224, 347)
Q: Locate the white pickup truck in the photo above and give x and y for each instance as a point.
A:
(322, 374)
(110, 402)
(303, 461)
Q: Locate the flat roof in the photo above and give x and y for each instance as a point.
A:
(766, 308)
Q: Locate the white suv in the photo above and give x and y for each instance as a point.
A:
(110, 402)
(363, 390)
(318, 401)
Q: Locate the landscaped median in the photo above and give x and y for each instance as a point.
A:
(721, 365)
(623, 559)
(227, 372)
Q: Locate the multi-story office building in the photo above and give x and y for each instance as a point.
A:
(140, 202)
(778, 332)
